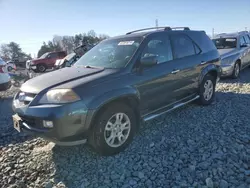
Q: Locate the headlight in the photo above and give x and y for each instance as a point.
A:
(59, 96)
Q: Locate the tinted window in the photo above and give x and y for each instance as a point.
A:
(242, 40)
(247, 39)
(158, 46)
(53, 55)
(183, 46)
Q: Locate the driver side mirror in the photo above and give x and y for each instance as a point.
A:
(244, 45)
(148, 61)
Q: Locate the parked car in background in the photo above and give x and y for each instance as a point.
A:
(121, 81)
(10, 66)
(46, 61)
(68, 61)
(234, 49)
(4, 77)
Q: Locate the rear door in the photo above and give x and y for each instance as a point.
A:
(187, 61)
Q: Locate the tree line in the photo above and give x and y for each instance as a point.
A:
(13, 51)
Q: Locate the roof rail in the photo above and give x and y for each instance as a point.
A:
(167, 28)
(184, 28)
(146, 29)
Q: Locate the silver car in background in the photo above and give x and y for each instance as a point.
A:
(234, 49)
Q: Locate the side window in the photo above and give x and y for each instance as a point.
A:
(247, 39)
(159, 46)
(52, 55)
(183, 46)
(242, 40)
(61, 54)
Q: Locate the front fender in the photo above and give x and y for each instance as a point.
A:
(112, 95)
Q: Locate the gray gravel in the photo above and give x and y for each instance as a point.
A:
(191, 147)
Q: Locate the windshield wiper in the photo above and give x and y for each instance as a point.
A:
(91, 67)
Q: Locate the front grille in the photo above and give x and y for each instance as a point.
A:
(33, 122)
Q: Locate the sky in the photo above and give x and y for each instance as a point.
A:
(30, 22)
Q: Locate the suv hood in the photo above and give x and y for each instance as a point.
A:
(225, 52)
(58, 77)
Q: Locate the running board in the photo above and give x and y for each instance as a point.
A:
(155, 115)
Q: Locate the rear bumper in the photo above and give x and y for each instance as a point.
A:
(5, 86)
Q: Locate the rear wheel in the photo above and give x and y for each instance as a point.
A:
(113, 130)
(236, 71)
(207, 90)
(41, 68)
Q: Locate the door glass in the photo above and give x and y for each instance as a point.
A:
(247, 39)
(183, 46)
(158, 46)
(242, 41)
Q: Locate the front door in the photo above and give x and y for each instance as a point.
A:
(244, 52)
(157, 84)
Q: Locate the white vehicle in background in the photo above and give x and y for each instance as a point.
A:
(10, 66)
(4, 77)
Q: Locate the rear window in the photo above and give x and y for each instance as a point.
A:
(225, 43)
(203, 41)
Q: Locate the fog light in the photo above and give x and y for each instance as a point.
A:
(48, 124)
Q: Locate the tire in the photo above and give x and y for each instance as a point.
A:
(236, 71)
(206, 82)
(100, 138)
(9, 68)
(41, 68)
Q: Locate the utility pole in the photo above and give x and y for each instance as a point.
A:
(156, 23)
(213, 33)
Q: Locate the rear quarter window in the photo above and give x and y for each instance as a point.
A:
(203, 41)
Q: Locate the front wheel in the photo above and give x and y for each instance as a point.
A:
(41, 68)
(207, 90)
(236, 71)
(113, 130)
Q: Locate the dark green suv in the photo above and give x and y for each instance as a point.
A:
(121, 81)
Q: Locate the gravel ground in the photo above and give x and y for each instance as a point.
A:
(191, 147)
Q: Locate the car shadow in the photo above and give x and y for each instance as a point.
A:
(8, 135)
(158, 141)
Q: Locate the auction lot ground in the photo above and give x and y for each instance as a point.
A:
(191, 147)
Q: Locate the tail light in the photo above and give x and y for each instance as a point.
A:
(2, 68)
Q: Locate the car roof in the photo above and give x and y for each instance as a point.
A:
(231, 35)
(146, 33)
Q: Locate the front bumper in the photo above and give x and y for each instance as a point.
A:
(227, 70)
(70, 125)
(5, 86)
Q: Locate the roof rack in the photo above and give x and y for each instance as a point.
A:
(167, 28)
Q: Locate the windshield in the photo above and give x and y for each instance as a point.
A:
(225, 43)
(113, 53)
(70, 56)
(44, 55)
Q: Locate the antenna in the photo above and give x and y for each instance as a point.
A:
(156, 23)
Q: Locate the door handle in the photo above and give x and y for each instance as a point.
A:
(175, 71)
(203, 62)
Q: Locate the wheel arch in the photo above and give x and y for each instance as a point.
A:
(99, 104)
(210, 69)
